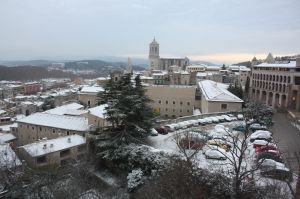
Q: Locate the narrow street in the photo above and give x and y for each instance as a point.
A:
(287, 138)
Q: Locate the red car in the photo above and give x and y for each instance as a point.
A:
(162, 130)
(262, 143)
(265, 148)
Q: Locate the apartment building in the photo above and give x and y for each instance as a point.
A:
(277, 83)
(96, 116)
(59, 151)
(44, 125)
(174, 100)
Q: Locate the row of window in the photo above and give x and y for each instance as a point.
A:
(276, 78)
(269, 86)
(179, 110)
(271, 68)
(181, 103)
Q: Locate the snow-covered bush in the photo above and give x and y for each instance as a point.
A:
(129, 157)
(134, 179)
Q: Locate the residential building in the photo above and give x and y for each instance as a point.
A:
(32, 88)
(97, 118)
(216, 98)
(59, 151)
(174, 100)
(277, 83)
(41, 125)
(88, 95)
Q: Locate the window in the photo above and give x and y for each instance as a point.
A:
(41, 160)
(188, 111)
(180, 103)
(167, 102)
(33, 128)
(65, 153)
(40, 128)
(188, 103)
(223, 106)
(53, 130)
(159, 101)
(166, 109)
(173, 102)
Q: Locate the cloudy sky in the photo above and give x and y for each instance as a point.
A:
(222, 31)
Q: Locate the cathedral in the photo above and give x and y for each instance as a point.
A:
(157, 63)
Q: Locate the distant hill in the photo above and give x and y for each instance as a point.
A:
(203, 62)
(44, 63)
(30, 73)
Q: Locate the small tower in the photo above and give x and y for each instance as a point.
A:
(129, 66)
(154, 55)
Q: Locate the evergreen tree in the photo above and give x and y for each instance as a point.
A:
(128, 112)
(223, 67)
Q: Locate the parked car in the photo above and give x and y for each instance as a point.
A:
(214, 154)
(266, 148)
(153, 132)
(262, 143)
(162, 130)
(221, 118)
(208, 120)
(220, 143)
(227, 118)
(215, 119)
(170, 127)
(239, 128)
(201, 121)
(280, 173)
(233, 118)
(266, 155)
(269, 164)
(240, 117)
(257, 126)
(193, 122)
(261, 135)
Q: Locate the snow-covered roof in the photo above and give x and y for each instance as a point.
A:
(7, 127)
(99, 111)
(184, 73)
(8, 158)
(62, 110)
(27, 103)
(6, 137)
(49, 146)
(213, 91)
(75, 112)
(290, 64)
(2, 112)
(103, 78)
(57, 121)
(92, 89)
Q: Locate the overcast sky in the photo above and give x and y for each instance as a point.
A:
(213, 30)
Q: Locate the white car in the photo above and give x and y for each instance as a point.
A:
(208, 120)
(257, 126)
(215, 119)
(221, 118)
(227, 118)
(201, 121)
(193, 122)
(215, 154)
(153, 132)
(261, 135)
(240, 117)
(269, 164)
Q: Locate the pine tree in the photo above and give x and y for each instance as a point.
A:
(129, 113)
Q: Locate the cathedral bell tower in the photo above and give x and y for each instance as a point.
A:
(154, 55)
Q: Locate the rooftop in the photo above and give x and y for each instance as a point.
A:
(91, 89)
(57, 121)
(286, 64)
(6, 137)
(213, 91)
(62, 110)
(99, 111)
(49, 146)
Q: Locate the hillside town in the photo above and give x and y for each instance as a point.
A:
(204, 114)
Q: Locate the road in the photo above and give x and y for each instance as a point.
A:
(288, 138)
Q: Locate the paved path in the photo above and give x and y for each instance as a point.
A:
(288, 138)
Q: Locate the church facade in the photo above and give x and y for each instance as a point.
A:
(157, 63)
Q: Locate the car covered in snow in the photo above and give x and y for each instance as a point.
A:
(227, 118)
(257, 126)
(214, 119)
(240, 128)
(267, 155)
(261, 135)
(201, 121)
(221, 118)
(170, 127)
(214, 154)
(269, 164)
(240, 117)
(208, 120)
(153, 132)
(280, 172)
(262, 143)
(266, 148)
(220, 143)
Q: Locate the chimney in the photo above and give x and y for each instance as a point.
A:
(51, 145)
(45, 146)
(69, 140)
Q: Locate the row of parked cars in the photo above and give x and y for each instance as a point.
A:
(190, 123)
(268, 157)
